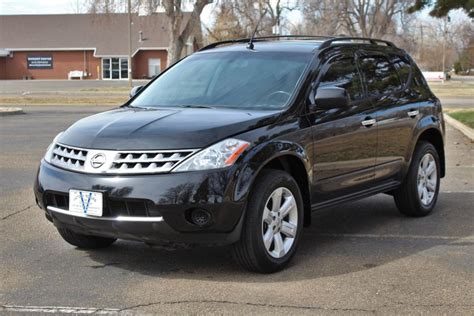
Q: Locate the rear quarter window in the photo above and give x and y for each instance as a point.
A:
(403, 67)
(419, 85)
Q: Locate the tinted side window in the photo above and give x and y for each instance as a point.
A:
(380, 75)
(403, 68)
(419, 84)
(343, 73)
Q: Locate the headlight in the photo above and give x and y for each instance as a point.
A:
(220, 155)
(49, 151)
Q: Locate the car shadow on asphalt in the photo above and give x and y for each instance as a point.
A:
(348, 238)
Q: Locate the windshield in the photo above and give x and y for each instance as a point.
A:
(252, 80)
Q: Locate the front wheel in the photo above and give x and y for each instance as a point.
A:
(273, 223)
(419, 191)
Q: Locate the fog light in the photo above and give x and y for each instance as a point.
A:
(200, 217)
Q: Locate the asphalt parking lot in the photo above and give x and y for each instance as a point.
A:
(357, 258)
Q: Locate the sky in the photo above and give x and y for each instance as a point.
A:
(70, 6)
(36, 6)
(59, 6)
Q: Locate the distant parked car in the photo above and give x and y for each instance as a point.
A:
(240, 142)
(435, 75)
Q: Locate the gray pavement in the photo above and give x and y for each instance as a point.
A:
(357, 258)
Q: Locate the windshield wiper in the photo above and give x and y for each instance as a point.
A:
(195, 106)
(131, 106)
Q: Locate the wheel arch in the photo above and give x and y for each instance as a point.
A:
(286, 156)
(434, 136)
(296, 168)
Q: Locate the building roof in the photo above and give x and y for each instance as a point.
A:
(107, 34)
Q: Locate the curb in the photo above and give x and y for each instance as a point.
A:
(10, 111)
(466, 130)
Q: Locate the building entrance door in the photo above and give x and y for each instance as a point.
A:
(114, 68)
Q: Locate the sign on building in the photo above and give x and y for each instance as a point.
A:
(39, 62)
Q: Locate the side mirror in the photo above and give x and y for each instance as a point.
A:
(135, 90)
(328, 98)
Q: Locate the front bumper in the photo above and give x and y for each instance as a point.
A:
(172, 195)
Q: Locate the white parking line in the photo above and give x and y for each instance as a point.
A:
(58, 310)
(456, 191)
(393, 236)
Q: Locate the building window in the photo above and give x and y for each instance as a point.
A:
(114, 68)
(106, 68)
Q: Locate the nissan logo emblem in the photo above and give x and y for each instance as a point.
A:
(97, 160)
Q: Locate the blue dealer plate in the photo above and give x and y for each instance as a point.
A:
(86, 202)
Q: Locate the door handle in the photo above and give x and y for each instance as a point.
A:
(413, 113)
(368, 122)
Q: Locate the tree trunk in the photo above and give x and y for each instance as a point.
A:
(175, 50)
(180, 33)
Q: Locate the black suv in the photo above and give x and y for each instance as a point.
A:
(239, 143)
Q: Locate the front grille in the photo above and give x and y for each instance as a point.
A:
(153, 162)
(69, 157)
(112, 207)
(117, 162)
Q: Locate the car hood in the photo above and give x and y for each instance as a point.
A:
(163, 128)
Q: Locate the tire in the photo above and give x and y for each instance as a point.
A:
(408, 198)
(84, 241)
(250, 251)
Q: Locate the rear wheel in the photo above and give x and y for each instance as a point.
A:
(84, 241)
(419, 192)
(273, 223)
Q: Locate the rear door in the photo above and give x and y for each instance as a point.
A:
(345, 139)
(386, 77)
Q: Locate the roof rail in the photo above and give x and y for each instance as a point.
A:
(264, 38)
(328, 40)
(371, 41)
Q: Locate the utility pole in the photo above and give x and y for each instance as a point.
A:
(130, 85)
(422, 48)
(445, 33)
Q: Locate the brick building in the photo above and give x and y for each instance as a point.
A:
(92, 45)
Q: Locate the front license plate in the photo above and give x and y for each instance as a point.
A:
(85, 202)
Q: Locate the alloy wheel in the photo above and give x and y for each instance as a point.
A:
(427, 180)
(279, 222)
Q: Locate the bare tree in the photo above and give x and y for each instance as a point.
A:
(181, 29)
(105, 6)
(227, 24)
(151, 6)
(372, 18)
(77, 6)
(367, 18)
(322, 17)
(277, 11)
(238, 18)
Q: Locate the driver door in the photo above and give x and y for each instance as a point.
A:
(345, 138)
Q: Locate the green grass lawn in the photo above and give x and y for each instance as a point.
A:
(465, 117)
